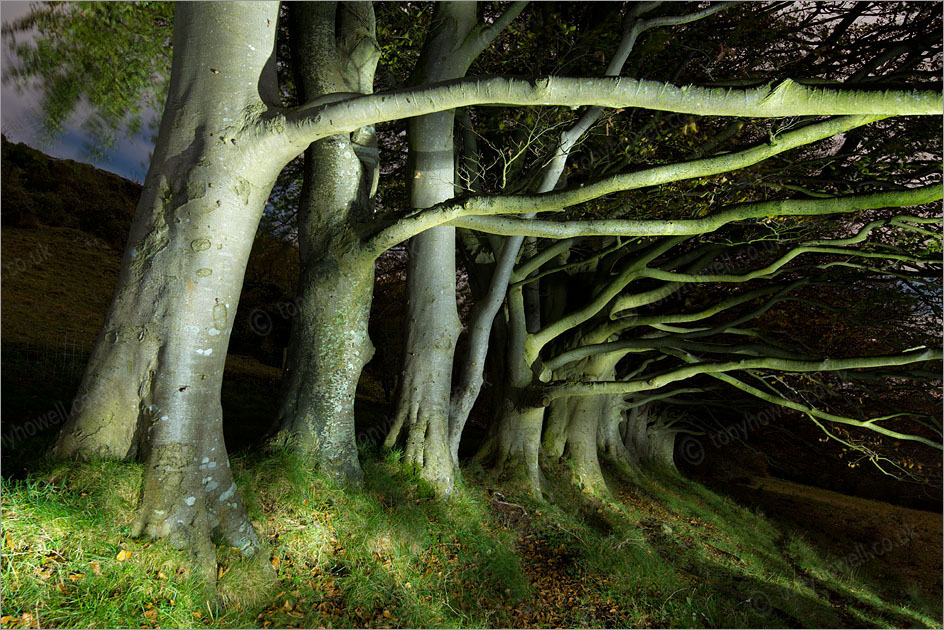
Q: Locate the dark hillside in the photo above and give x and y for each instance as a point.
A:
(41, 190)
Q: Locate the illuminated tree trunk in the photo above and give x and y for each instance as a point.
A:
(152, 386)
(330, 345)
(422, 416)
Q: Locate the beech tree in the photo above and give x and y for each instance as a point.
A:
(152, 386)
(432, 320)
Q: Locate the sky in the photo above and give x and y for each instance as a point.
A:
(21, 122)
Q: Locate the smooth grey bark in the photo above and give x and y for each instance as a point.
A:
(152, 386)
(433, 326)
(610, 437)
(651, 437)
(585, 423)
(329, 344)
(515, 443)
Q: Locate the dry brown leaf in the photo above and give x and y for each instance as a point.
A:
(275, 562)
(123, 555)
(151, 614)
(96, 568)
(76, 576)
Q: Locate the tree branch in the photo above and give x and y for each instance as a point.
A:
(816, 413)
(558, 390)
(293, 129)
(482, 36)
(461, 213)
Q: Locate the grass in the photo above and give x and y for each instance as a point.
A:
(667, 553)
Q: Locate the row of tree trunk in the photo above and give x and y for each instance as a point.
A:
(152, 387)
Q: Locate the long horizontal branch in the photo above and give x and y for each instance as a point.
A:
(778, 264)
(630, 321)
(645, 400)
(301, 126)
(460, 212)
(511, 226)
(816, 413)
(556, 390)
(666, 341)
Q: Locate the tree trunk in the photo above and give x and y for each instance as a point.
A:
(433, 325)
(433, 329)
(152, 387)
(582, 444)
(584, 423)
(518, 443)
(649, 438)
(516, 435)
(330, 345)
(554, 438)
(610, 441)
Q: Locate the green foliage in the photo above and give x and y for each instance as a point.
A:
(113, 57)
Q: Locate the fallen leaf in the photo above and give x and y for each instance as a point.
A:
(161, 575)
(5, 619)
(275, 562)
(123, 555)
(199, 615)
(151, 614)
(76, 576)
(96, 568)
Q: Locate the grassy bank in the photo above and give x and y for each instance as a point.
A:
(669, 553)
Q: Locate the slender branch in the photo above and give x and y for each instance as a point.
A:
(542, 337)
(666, 341)
(816, 413)
(681, 318)
(644, 400)
(460, 212)
(774, 267)
(623, 227)
(544, 256)
(482, 36)
(557, 390)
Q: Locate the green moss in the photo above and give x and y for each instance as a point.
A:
(200, 244)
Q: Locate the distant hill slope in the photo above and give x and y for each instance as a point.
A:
(42, 190)
(55, 278)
